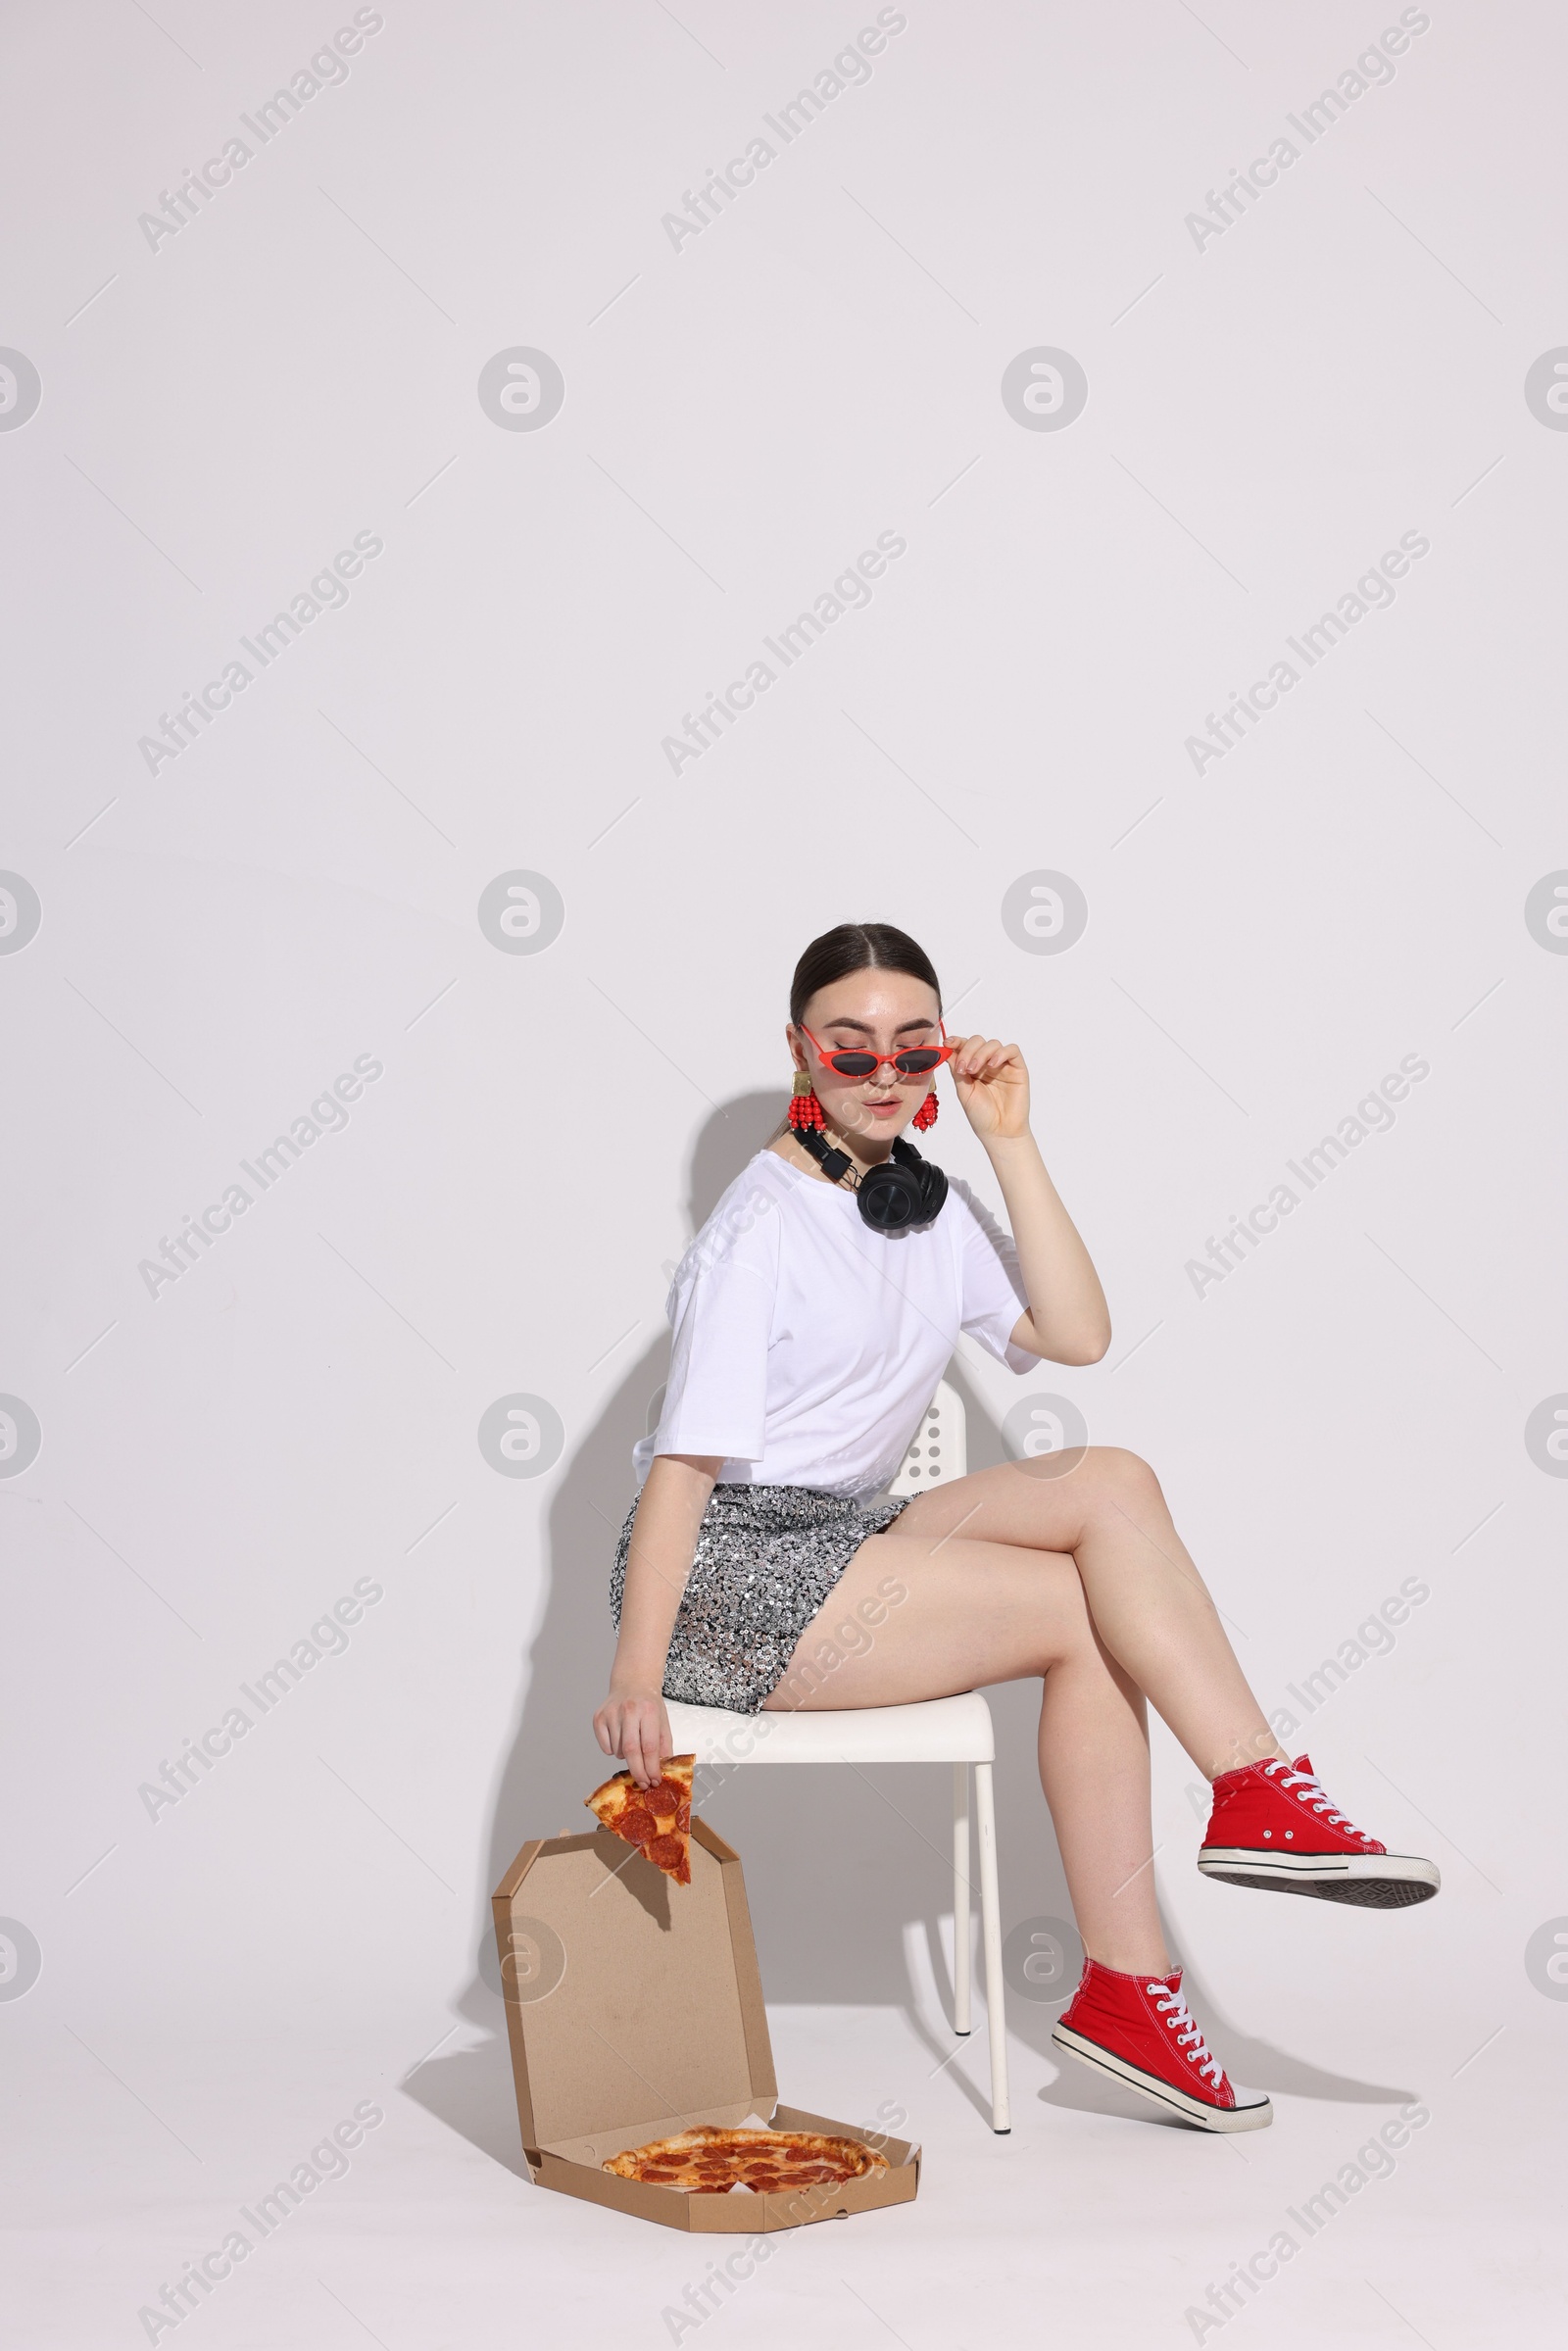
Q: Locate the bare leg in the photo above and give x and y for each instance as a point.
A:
(916, 1619)
(1150, 1606)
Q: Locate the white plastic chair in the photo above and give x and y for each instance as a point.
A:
(956, 1731)
(940, 1449)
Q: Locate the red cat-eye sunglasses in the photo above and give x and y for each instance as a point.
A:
(854, 1062)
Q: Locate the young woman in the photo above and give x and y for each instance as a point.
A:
(814, 1315)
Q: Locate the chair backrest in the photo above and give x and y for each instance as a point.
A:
(939, 1452)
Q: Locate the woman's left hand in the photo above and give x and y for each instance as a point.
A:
(992, 1086)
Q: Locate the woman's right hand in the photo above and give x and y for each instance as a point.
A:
(633, 1725)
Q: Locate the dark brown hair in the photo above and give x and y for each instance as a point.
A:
(857, 947)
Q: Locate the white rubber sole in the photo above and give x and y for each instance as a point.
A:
(1373, 1881)
(1254, 2115)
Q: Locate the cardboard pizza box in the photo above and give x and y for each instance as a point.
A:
(634, 2009)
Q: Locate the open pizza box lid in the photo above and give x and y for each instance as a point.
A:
(634, 2010)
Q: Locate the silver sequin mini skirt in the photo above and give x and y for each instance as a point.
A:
(767, 1559)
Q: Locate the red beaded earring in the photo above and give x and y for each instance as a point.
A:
(805, 1109)
(926, 1116)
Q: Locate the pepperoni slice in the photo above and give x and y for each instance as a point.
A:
(683, 1818)
(668, 1851)
(637, 1824)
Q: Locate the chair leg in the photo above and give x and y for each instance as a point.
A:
(961, 1897)
(990, 1935)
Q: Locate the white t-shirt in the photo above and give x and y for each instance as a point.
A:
(807, 1346)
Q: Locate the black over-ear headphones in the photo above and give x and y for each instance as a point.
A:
(901, 1191)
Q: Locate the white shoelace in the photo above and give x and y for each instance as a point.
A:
(1313, 1795)
(1177, 2013)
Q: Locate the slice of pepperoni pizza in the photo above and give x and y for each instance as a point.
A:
(658, 1820)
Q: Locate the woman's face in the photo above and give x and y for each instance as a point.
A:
(877, 1011)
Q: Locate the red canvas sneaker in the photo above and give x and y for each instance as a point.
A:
(1272, 1826)
(1139, 2030)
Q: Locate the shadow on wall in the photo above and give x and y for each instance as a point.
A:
(555, 1758)
(848, 1870)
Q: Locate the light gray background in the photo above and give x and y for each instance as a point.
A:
(301, 886)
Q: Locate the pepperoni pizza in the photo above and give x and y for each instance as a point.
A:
(711, 2161)
(657, 1818)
